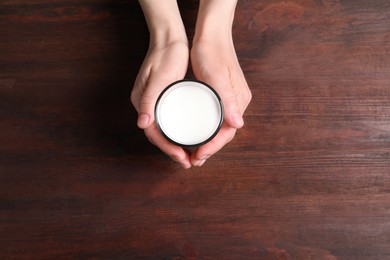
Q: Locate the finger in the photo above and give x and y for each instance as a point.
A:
(154, 86)
(233, 115)
(175, 152)
(147, 102)
(225, 135)
(150, 89)
(137, 97)
(222, 84)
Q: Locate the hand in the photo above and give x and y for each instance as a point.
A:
(214, 61)
(162, 66)
(216, 64)
(165, 62)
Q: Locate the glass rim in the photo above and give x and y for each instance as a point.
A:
(159, 127)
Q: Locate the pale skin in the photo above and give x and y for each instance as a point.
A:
(213, 59)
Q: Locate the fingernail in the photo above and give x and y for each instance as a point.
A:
(201, 162)
(204, 157)
(237, 119)
(186, 166)
(143, 120)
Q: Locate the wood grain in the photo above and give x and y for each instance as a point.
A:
(306, 178)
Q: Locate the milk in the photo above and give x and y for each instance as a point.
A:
(189, 113)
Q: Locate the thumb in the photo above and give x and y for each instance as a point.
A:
(146, 102)
(233, 115)
(232, 112)
(146, 107)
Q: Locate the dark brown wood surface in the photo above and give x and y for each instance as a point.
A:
(308, 177)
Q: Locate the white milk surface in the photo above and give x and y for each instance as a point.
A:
(189, 113)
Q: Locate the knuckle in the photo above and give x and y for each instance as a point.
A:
(231, 103)
(146, 100)
(133, 97)
(248, 96)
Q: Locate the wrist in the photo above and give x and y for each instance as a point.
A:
(164, 22)
(215, 20)
(166, 35)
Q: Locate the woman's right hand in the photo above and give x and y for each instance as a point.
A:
(162, 66)
(165, 62)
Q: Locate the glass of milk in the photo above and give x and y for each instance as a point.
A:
(189, 113)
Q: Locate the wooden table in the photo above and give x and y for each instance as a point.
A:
(308, 177)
